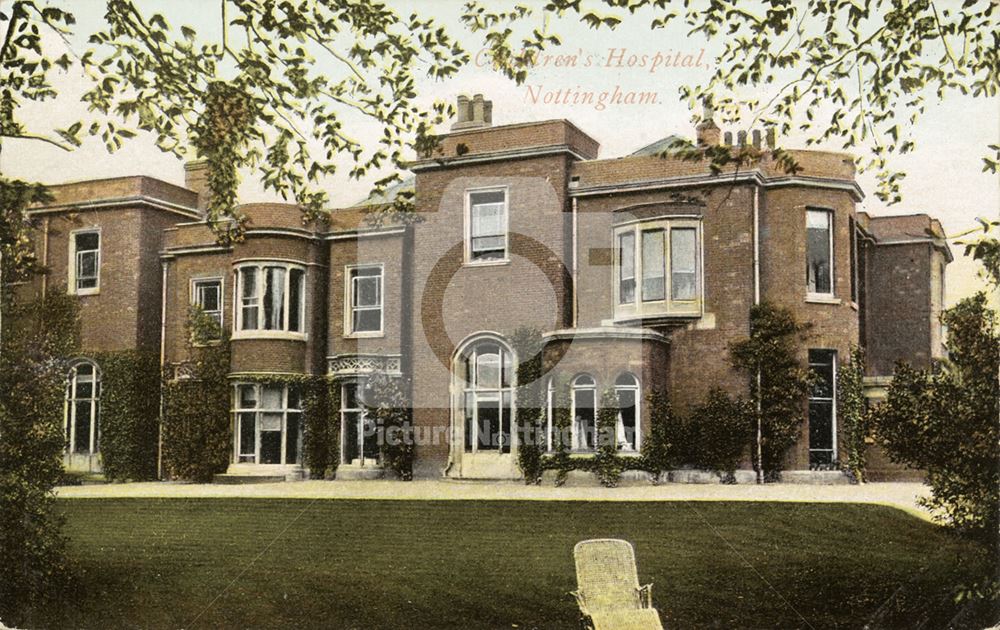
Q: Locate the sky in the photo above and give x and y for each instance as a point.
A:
(944, 172)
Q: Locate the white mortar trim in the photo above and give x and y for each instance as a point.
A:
(114, 202)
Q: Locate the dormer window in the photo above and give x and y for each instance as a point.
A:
(667, 263)
(486, 229)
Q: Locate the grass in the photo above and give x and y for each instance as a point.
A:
(252, 563)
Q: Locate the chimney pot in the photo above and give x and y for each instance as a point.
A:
(728, 138)
(488, 112)
(771, 137)
(478, 108)
(462, 109)
(196, 180)
(756, 138)
(741, 138)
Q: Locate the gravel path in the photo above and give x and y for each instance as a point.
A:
(901, 495)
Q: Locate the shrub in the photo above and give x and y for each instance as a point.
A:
(332, 441)
(718, 433)
(659, 446)
(197, 432)
(607, 464)
(778, 383)
(33, 568)
(946, 423)
(316, 417)
(530, 403)
(388, 403)
(130, 397)
(852, 413)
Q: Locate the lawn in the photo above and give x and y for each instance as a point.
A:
(267, 563)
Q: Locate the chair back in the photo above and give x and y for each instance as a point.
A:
(606, 576)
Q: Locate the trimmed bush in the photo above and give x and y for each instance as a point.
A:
(718, 433)
(660, 444)
(607, 463)
(387, 402)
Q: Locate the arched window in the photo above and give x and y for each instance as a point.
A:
(627, 432)
(584, 412)
(488, 383)
(83, 393)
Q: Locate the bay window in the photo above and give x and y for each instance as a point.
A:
(665, 254)
(268, 424)
(270, 297)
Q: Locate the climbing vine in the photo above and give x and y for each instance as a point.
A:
(197, 431)
(852, 414)
(607, 464)
(129, 420)
(388, 403)
(530, 403)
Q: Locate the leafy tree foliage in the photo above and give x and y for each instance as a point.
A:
(778, 382)
(607, 463)
(33, 372)
(946, 422)
(838, 70)
(197, 436)
(659, 445)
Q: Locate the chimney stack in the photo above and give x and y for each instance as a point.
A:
(707, 132)
(472, 114)
(196, 180)
(771, 138)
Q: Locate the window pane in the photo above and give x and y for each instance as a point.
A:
(369, 437)
(296, 300)
(505, 423)
(293, 439)
(83, 426)
(488, 225)
(488, 368)
(584, 419)
(248, 436)
(247, 397)
(207, 295)
(653, 273)
(626, 268)
(271, 397)
(489, 423)
(683, 264)
(274, 298)
(248, 280)
(366, 291)
(821, 362)
(88, 241)
(270, 446)
(88, 264)
(818, 255)
(626, 419)
(351, 429)
(349, 396)
(470, 427)
(369, 320)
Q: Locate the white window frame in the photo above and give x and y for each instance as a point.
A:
(260, 332)
(476, 390)
(550, 397)
(362, 415)
(620, 425)
(349, 301)
(195, 301)
(258, 410)
(576, 386)
(73, 261)
(640, 308)
(815, 295)
(832, 399)
(468, 226)
(69, 409)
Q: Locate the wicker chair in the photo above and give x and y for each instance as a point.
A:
(608, 590)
